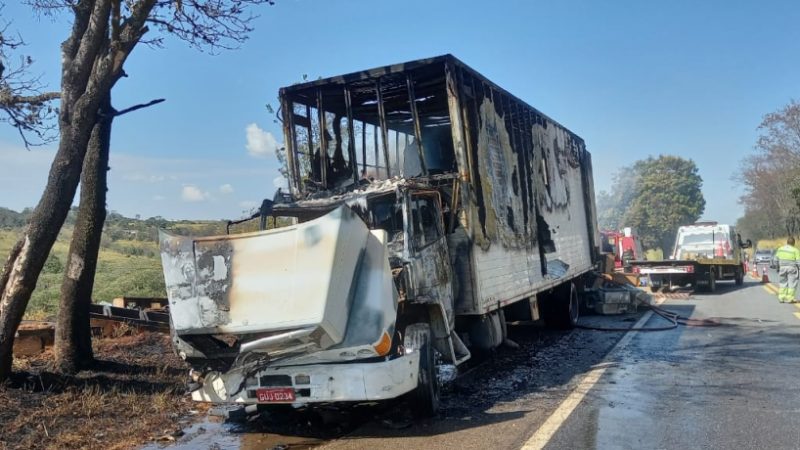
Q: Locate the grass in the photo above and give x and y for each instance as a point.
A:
(124, 268)
(135, 393)
(134, 396)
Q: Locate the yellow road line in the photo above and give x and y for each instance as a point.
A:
(771, 288)
(797, 314)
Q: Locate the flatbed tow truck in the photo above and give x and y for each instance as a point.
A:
(704, 253)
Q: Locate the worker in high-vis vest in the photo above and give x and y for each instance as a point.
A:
(788, 258)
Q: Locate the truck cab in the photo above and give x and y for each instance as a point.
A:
(362, 279)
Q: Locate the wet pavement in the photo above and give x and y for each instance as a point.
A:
(722, 383)
(729, 382)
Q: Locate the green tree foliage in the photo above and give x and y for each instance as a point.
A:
(611, 206)
(771, 177)
(129, 262)
(655, 196)
(758, 223)
(667, 195)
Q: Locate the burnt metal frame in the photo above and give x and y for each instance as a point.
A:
(412, 101)
(462, 72)
(384, 128)
(351, 139)
(287, 107)
(323, 142)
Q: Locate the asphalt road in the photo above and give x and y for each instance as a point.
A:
(730, 378)
(731, 385)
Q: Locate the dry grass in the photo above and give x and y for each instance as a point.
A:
(135, 395)
(771, 244)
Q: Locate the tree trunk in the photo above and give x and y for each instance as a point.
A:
(86, 80)
(24, 266)
(73, 340)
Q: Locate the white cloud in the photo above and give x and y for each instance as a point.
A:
(159, 198)
(280, 182)
(191, 193)
(226, 189)
(260, 143)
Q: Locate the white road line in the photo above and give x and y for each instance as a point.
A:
(542, 436)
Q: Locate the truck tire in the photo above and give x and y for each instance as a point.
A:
(739, 280)
(561, 308)
(424, 399)
(712, 280)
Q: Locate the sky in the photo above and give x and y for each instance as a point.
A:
(632, 78)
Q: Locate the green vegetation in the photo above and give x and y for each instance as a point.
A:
(129, 263)
(655, 196)
(771, 244)
(770, 177)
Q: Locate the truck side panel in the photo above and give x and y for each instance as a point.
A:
(526, 208)
(561, 202)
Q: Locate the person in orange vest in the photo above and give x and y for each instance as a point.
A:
(788, 258)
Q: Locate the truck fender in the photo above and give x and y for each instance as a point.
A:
(441, 332)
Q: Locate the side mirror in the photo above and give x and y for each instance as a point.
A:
(747, 244)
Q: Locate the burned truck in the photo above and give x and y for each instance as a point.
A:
(427, 209)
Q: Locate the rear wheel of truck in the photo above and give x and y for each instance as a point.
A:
(712, 280)
(424, 398)
(739, 280)
(561, 308)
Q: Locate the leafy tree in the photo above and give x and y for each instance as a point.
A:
(667, 195)
(654, 195)
(771, 175)
(103, 35)
(757, 224)
(611, 206)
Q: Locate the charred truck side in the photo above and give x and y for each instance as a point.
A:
(427, 208)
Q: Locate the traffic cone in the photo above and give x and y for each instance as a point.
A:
(764, 274)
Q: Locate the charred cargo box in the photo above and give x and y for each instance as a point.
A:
(517, 186)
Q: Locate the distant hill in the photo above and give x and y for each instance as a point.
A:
(129, 262)
(12, 219)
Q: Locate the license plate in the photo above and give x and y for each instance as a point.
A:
(275, 395)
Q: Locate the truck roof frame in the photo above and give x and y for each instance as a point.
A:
(378, 72)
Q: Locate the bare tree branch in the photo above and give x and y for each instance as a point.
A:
(139, 106)
(210, 25)
(23, 104)
(771, 176)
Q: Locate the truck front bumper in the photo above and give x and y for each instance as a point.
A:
(316, 383)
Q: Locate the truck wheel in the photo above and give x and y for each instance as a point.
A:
(424, 398)
(561, 308)
(712, 280)
(739, 280)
